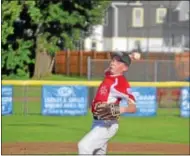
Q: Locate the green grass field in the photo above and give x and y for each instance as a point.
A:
(166, 127)
(163, 128)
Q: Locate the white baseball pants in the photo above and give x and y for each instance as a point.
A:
(95, 142)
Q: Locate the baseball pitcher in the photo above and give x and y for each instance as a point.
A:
(105, 106)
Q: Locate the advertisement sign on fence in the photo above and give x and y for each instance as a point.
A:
(64, 100)
(145, 101)
(6, 96)
(185, 102)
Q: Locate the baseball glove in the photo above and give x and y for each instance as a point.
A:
(106, 111)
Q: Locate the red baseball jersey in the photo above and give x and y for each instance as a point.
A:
(113, 89)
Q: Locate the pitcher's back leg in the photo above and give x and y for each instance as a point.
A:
(95, 139)
(101, 151)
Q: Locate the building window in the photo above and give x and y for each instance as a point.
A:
(160, 15)
(138, 17)
(93, 46)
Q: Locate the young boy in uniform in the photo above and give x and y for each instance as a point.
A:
(105, 105)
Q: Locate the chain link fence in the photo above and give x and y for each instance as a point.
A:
(142, 71)
(27, 100)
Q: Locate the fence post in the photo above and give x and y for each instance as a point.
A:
(25, 104)
(155, 71)
(68, 62)
(88, 68)
(81, 62)
(107, 55)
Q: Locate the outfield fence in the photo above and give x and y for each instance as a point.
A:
(142, 71)
(27, 95)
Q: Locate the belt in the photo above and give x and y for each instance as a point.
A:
(96, 118)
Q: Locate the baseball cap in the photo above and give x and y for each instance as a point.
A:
(124, 57)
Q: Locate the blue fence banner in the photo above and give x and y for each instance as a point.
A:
(185, 102)
(64, 100)
(6, 100)
(145, 101)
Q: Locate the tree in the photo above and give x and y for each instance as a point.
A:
(53, 24)
(15, 50)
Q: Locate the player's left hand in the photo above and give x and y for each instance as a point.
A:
(107, 111)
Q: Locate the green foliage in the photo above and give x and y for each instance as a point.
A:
(97, 11)
(34, 12)
(65, 20)
(17, 60)
(10, 13)
(13, 59)
(44, 25)
(43, 44)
